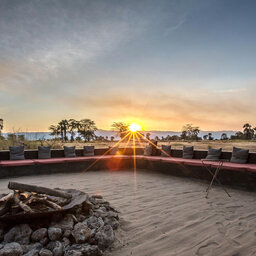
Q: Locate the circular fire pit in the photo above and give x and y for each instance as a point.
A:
(75, 224)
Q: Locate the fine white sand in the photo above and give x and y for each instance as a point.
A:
(165, 215)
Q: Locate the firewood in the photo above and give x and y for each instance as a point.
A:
(44, 201)
(37, 189)
(23, 206)
(8, 200)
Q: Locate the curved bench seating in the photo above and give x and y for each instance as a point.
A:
(6, 163)
(175, 160)
(239, 175)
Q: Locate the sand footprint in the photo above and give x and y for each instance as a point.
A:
(221, 228)
(207, 249)
(253, 251)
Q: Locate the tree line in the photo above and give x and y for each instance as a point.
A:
(85, 128)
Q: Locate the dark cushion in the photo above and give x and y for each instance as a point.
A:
(166, 149)
(214, 154)
(113, 151)
(44, 152)
(188, 152)
(70, 151)
(17, 153)
(148, 150)
(88, 150)
(239, 155)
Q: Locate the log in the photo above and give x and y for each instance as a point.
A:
(8, 202)
(23, 206)
(44, 200)
(40, 190)
(6, 198)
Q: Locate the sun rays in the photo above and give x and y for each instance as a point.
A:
(133, 138)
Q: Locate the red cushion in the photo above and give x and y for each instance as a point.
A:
(231, 166)
(139, 157)
(251, 167)
(123, 156)
(193, 162)
(16, 162)
(152, 158)
(175, 160)
(80, 159)
(50, 161)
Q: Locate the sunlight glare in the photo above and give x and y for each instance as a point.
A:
(133, 127)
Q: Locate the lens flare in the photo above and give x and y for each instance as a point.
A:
(133, 127)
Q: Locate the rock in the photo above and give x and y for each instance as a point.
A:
(50, 246)
(11, 249)
(105, 237)
(45, 252)
(1, 234)
(44, 241)
(20, 234)
(97, 196)
(81, 233)
(67, 233)
(65, 242)
(54, 233)
(31, 247)
(112, 214)
(101, 212)
(39, 234)
(73, 253)
(67, 223)
(58, 250)
(83, 249)
(94, 222)
(113, 222)
(81, 218)
(101, 201)
(33, 252)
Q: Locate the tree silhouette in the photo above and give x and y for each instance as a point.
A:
(1, 125)
(190, 132)
(248, 131)
(224, 136)
(73, 125)
(121, 128)
(63, 129)
(87, 129)
(210, 136)
(55, 130)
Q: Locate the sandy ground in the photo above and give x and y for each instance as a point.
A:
(165, 215)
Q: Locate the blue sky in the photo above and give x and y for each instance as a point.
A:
(160, 63)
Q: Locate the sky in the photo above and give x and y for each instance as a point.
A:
(161, 63)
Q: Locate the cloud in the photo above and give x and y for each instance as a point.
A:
(176, 26)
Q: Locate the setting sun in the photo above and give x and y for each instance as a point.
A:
(133, 127)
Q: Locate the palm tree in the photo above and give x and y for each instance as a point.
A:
(1, 125)
(72, 126)
(63, 129)
(248, 131)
